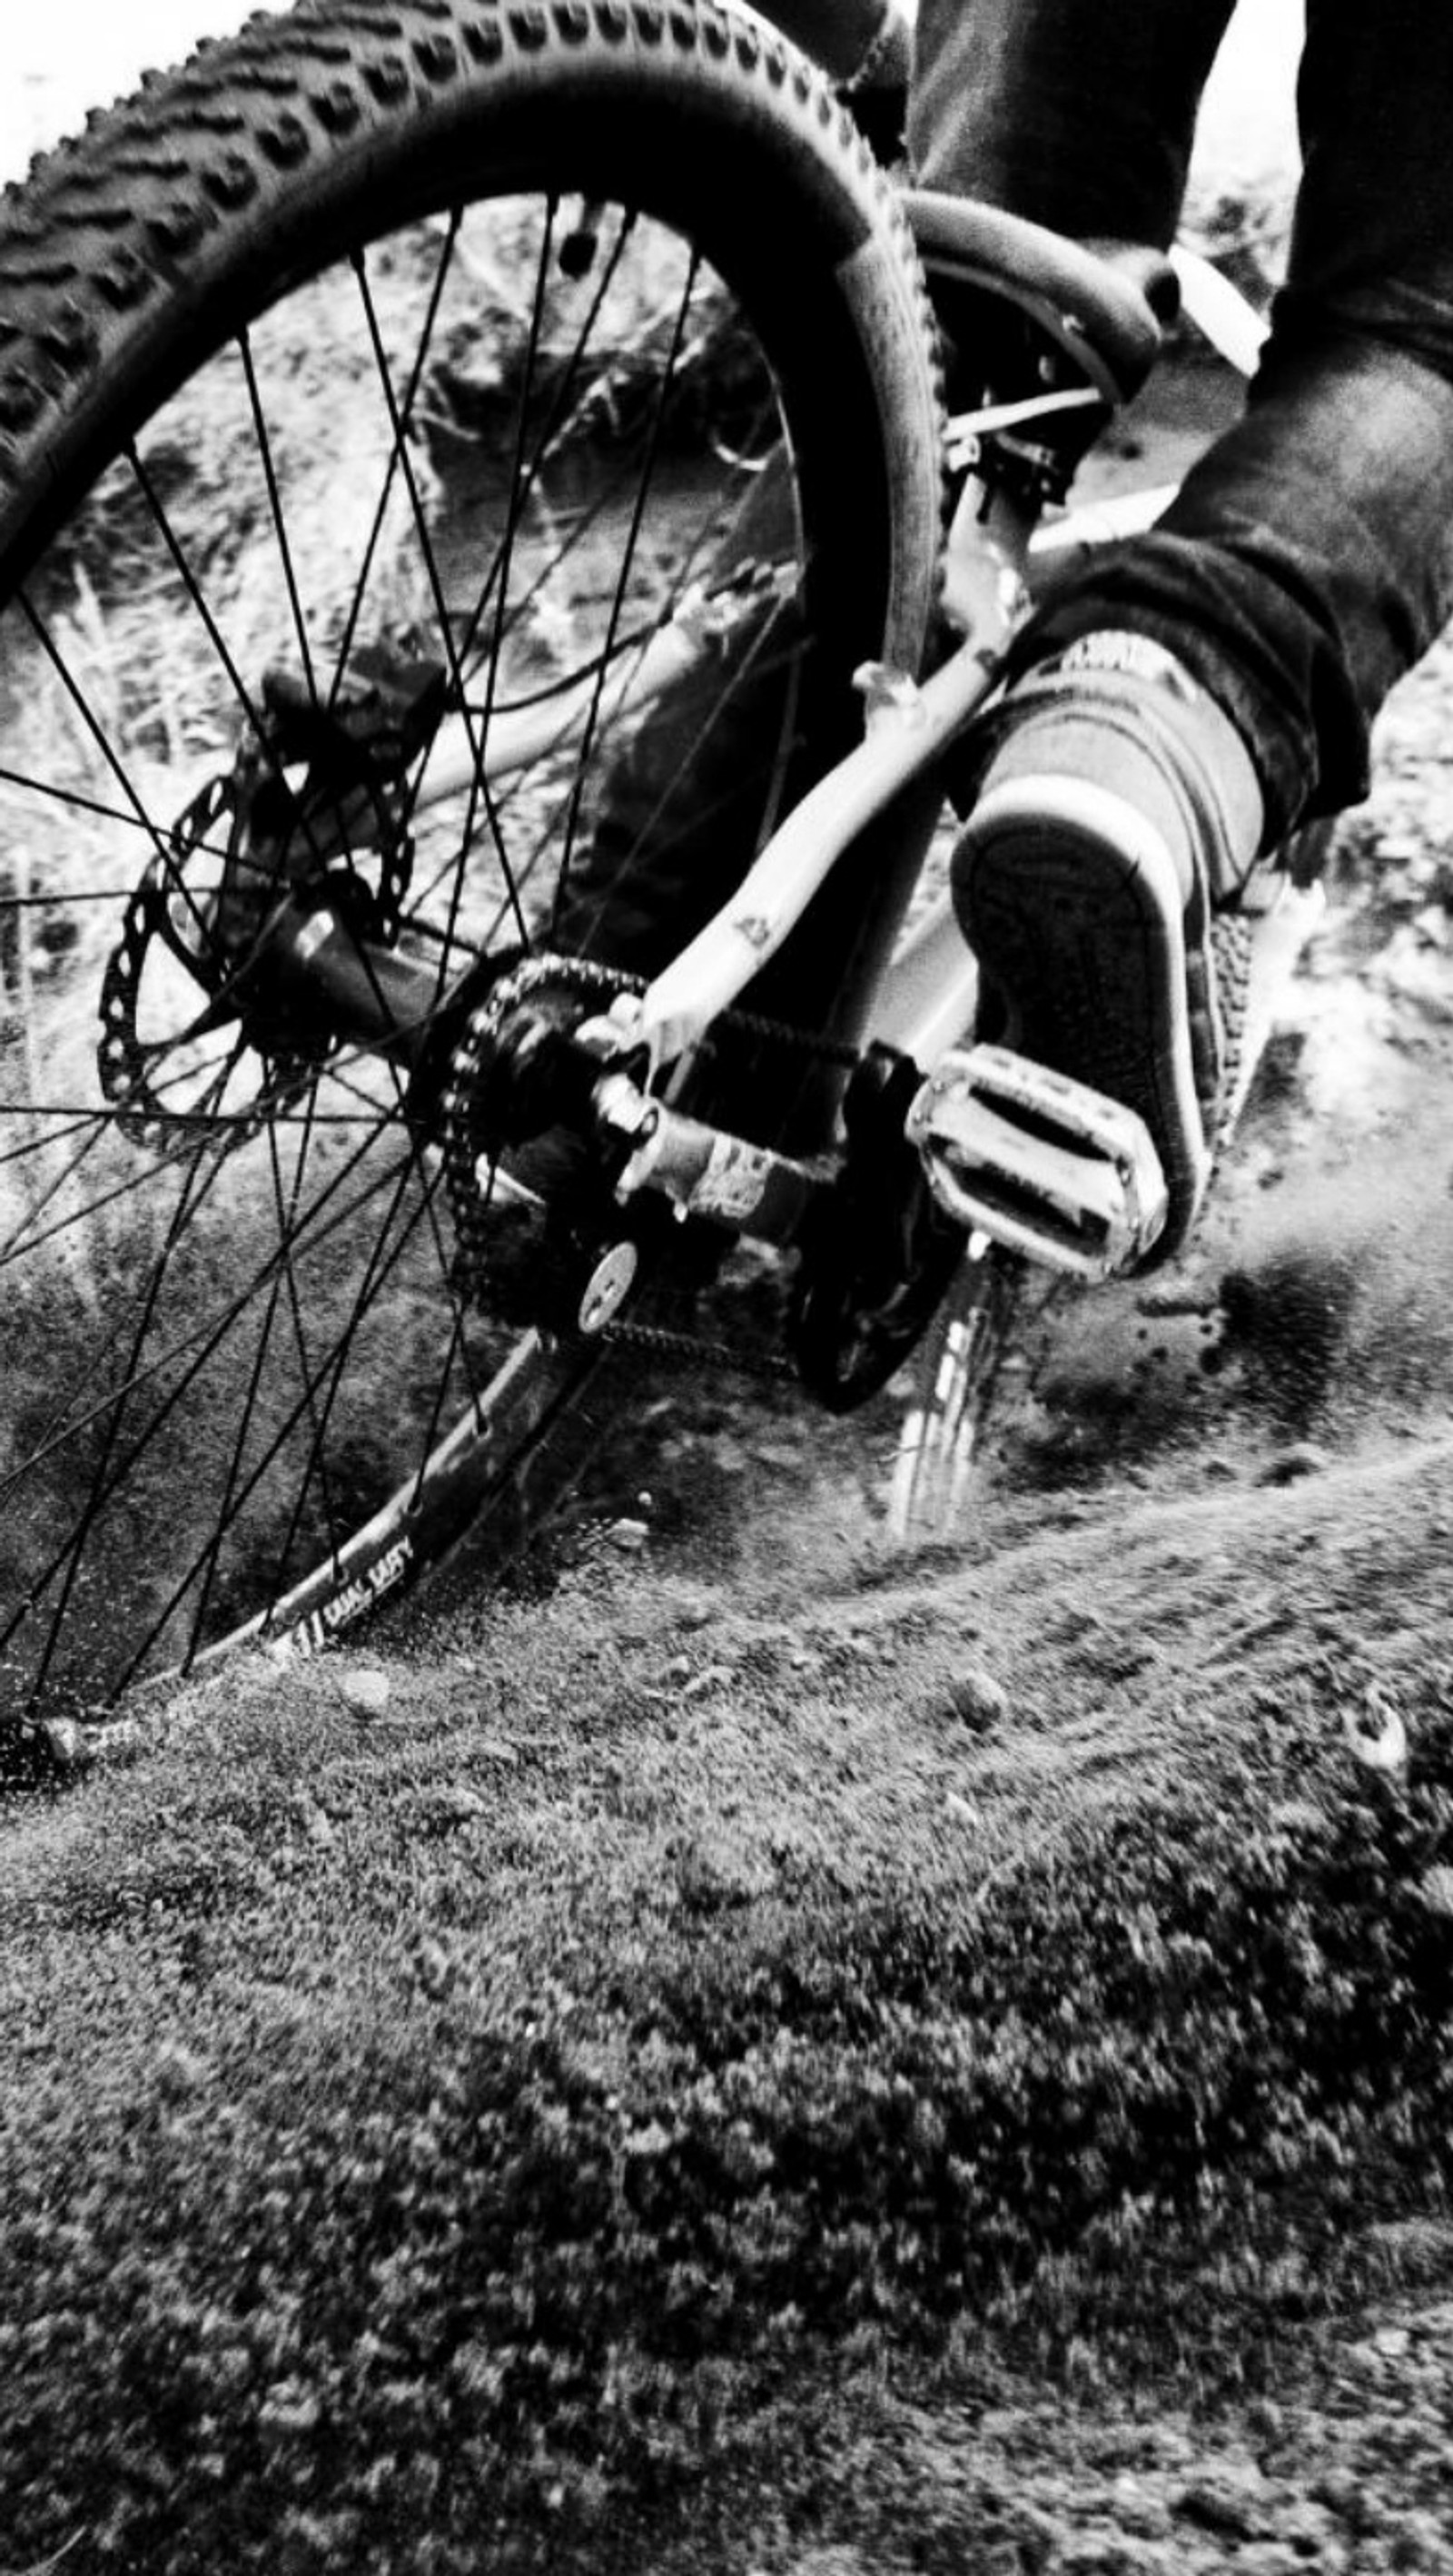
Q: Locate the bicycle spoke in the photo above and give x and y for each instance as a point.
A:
(480, 792)
(71, 1557)
(420, 522)
(198, 1346)
(628, 552)
(245, 1354)
(553, 432)
(41, 631)
(406, 413)
(332, 1366)
(275, 505)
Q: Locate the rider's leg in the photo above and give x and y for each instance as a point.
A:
(1077, 113)
(1306, 563)
(1308, 560)
(848, 38)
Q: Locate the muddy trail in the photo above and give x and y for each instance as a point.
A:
(760, 2050)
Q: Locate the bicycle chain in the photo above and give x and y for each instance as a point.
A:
(473, 1209)
(470, 1206)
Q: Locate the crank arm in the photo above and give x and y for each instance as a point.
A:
(1040, 1164)
(702, 1170)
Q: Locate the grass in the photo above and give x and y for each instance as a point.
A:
(519, 2118)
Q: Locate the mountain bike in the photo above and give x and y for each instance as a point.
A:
(491, 610)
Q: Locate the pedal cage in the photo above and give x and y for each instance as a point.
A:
(1039, 1163)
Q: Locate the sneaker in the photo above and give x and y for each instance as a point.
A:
(1116, 806)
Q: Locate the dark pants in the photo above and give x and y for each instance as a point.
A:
(1308, 560)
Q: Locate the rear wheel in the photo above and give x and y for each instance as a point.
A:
(957, 1377)
(375, 395)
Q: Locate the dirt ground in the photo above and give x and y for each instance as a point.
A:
(1111, 1833)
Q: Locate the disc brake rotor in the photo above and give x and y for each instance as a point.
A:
(193, 933)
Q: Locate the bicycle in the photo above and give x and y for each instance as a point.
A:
(403, 408)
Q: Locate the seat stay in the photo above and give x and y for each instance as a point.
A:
(1105, 309)
(909, 728)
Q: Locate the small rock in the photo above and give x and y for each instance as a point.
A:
(1226, 2497)
(1343, 2492)
(1263, 2413)
(1392, 2342)
(962, 1808)
(461, 1805)
(364, 1691)
(1303, 1458)
(1137, 2510)
(1376, 1733)
(320, 1829)
(1179, 1297)
(1103, 2553)
(1297, 1816)
(452, 1805)
(69, 1745)
(715, 1872)
(432, 1967)
(709, 1680)
(699, 1617)
(1436, 1889)
(494, 1748)
(179, 2070)
(978, 1701)
(627, 1537)
(1306, 2527)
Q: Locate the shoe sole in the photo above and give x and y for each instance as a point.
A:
(1073, 906)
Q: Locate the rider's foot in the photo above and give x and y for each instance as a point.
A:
(1117, 805)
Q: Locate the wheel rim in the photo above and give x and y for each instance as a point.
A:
(236, 1346)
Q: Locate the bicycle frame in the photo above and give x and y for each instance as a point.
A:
(926, 998)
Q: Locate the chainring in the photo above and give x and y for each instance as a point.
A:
(871, 1270)
(531, 1277)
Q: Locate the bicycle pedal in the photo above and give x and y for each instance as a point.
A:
(1039, 1163)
